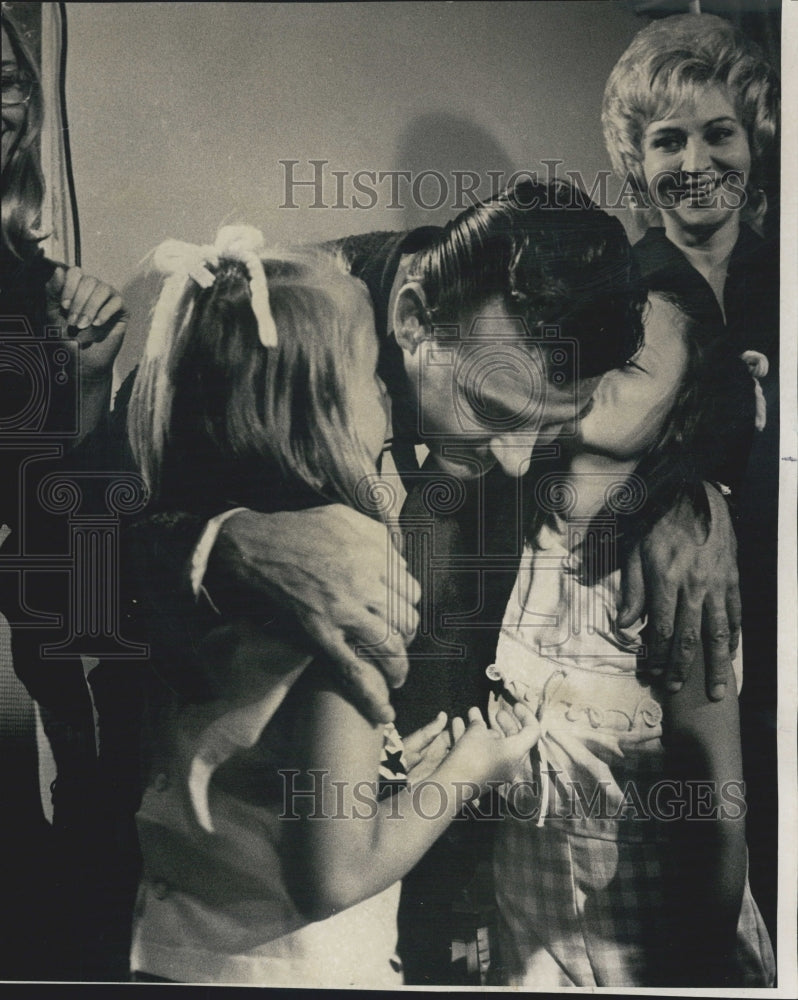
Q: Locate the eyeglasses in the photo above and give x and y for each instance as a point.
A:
(16, 89)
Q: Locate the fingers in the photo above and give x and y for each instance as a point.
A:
(418, 741)
(685, 641)
(724, 585)
(76, 303)
(659, 634)
(522, 742)
(88, 304)
(367, 636)
(100, 335)
(106, 310)
(377, 574)
(403, 593)
(70, 278)
(521, 728)
(86, 300)
(507, 722)
(633, 592)
(475, 718)
(368, 640)
(398, 614)
(99, 311)
(524, 714)
(421, 765)
(719, 519)
(734, 615)
(458, 728)
(362, 681)
(718, 654)
(103, 301)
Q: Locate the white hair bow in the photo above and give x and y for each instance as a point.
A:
(183, 261)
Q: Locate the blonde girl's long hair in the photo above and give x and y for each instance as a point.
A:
(217, 419)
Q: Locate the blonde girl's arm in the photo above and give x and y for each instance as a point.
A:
(347, 845)
(707, 858)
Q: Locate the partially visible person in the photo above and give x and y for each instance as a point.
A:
(49, 895)
(621, 858)
(691, 114)
(259, 388)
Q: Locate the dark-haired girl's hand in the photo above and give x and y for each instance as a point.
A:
(491, 755)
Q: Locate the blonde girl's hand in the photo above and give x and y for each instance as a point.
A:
(512, 721)
(493, 754)
(426, 748)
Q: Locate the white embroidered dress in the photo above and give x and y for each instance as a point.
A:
(578, 858)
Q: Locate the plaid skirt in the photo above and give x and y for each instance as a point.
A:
(579, 910)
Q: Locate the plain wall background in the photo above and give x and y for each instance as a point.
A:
(180, 112)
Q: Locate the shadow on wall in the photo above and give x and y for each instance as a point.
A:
(451, 162)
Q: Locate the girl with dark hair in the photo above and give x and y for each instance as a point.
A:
(611, 870)
(259, 386)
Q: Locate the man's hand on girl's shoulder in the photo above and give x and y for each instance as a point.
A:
(684, 575)
(339, 576)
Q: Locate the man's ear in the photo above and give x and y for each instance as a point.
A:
(411, 323)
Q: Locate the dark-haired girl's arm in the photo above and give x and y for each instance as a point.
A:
(707, 859)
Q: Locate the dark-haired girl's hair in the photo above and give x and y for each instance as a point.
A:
(707, 432)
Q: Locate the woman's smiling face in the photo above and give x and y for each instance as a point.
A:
(696, 161)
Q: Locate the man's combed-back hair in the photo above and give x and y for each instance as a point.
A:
(552, 257)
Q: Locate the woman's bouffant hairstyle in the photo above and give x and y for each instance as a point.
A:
(552, 257)
(667, 63)
(23, 181)
(266, 428)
